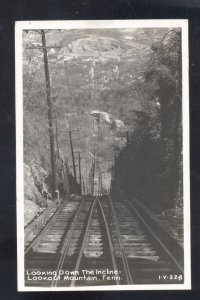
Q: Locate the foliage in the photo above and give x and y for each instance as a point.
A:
(136, 80)
(153, 161)
(114, 86)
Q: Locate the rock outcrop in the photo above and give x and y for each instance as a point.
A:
(34, 188)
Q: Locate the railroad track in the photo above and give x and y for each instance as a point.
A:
(152, 255)
(97, 241)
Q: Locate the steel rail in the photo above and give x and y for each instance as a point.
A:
(42, 232)
(109, 241)
(62, 258)
(122, 250)
(84, 242)
(167, 251)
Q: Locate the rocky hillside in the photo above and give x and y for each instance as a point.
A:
(92, 70)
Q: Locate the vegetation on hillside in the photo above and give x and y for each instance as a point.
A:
(150, 167)
(134, 76)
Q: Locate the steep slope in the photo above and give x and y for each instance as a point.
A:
(93, 70)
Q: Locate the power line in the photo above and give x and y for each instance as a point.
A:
(44, 49)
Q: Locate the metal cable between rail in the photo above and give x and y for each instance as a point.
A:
(62, 259)
(122, 250)
(109, 241)
(84, 242)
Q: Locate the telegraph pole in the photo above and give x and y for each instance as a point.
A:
(72, 152)
(83, 186)
(57, 135)
(80, 178)
(44, 48)
(80, 173)
(72, 149)
(50, 113)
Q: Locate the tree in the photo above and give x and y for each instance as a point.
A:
(152, 171)
(164, 71)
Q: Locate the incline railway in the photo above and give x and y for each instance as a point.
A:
(95, 241)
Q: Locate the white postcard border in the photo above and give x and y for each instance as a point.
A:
(91, 24)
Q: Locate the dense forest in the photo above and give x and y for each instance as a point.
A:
(131, 76)
(152, 159)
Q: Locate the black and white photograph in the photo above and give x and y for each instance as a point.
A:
(102, 130)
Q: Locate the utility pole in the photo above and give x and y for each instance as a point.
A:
(44, 48)
(72, 152)
(80, 178)
(57, 135)
(72, 149)
(79, 164)
(83, 183)
(66, 178)
(50, 113)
